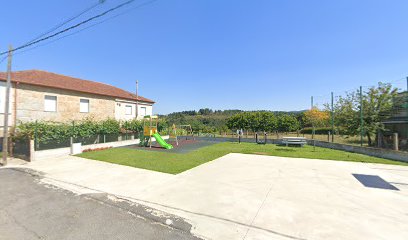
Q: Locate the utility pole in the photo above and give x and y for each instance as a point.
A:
(313, 128)
(137, 98)
(406, 110)
(361, 117)
(311, 108)
(7, 107)
(332, 116)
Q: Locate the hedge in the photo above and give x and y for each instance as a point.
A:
(46, 132)
(321, 130)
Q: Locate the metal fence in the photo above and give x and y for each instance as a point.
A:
(21, 148)
(87, 140)
(366, 116)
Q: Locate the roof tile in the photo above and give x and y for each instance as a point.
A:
(53, 80)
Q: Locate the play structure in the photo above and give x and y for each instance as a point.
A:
(173, 133)
(150, 130)
(180, 130)
(188, 129)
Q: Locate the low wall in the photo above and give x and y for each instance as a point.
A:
(59, 152)
(375, 152)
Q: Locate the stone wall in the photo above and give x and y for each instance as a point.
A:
(30, 105)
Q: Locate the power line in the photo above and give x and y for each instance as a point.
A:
(66, 21)
(83, 29)
(71, 27)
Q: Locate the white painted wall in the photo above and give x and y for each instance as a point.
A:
(3, 105)
(59, 152)
(121, 105)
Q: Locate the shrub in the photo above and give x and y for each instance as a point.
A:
(321, 130)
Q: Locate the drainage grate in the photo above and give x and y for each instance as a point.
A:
(374, 181)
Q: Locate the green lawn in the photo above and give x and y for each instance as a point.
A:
(175, 162)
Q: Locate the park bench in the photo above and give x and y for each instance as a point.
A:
(294, 141)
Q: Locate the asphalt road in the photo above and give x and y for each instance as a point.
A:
(32, 210)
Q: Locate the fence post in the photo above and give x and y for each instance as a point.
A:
(31, 153)
(332, 117)
(361, 117)
(395, 141)
(36, 143)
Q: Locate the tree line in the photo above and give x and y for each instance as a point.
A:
(353, 114)
(377, 104)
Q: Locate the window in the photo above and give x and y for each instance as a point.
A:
(50, 103)
(128, 110)
(84, 105)
(143, 111)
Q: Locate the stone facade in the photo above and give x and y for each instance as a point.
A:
(31, 106)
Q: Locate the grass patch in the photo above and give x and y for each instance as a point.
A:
(176, 163)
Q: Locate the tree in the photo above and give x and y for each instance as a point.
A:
(316, 118)
(205, 111)
(263, 121)
(287, 123)
(378, 103)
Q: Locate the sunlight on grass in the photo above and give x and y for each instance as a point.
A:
(176, 163)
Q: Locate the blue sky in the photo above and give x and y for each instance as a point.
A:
(229, 54)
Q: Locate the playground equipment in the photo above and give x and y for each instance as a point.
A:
(188, 129)
(173, 133)
(150, 130)
(261, 142)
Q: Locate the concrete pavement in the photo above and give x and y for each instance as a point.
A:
(255, 197)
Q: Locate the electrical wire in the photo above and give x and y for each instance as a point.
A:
(83, 29)
(71, 27)
(66, 22)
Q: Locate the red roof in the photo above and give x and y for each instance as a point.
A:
(53, 80)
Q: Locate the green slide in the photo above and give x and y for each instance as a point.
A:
(161, 141)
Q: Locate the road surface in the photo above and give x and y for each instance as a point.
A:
(32, 210)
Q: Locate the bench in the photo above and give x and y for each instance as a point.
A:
(294, 141)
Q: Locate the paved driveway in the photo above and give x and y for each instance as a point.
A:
(256, 197)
